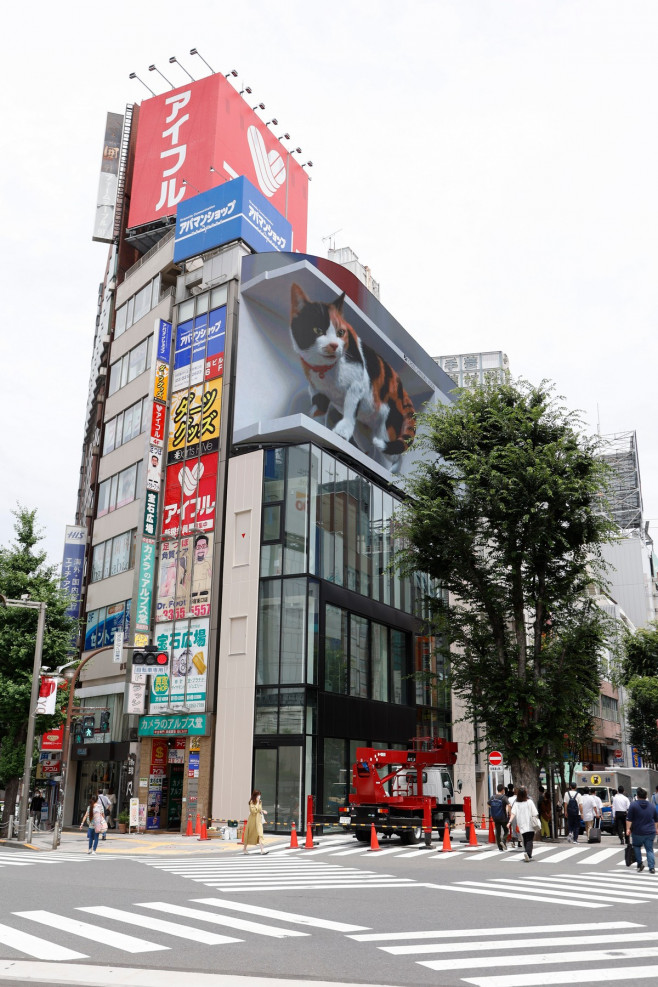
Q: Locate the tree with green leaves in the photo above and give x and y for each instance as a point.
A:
(23, 571)
(504, 510)
(640, 676)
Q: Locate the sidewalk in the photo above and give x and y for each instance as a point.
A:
(166, 844)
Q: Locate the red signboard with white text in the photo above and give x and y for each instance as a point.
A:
(200, 135)
(190, 492)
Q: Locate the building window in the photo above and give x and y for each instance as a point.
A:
(131, 365)
(137, 306)
(126, 425)
(113, 556)
(336, 649)
(103, 623)
(609, 709)
(120, 489)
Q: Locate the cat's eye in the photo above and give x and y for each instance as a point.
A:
(340, 333)
(318, 332)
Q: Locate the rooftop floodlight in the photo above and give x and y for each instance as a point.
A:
(308, 164)
(232, 72)
(296, 150)
(173, 60)
(133, 75)
(258, 106)
(247, 89)
(273, 120)
(154, 68)
(285, 137)
(193, 51)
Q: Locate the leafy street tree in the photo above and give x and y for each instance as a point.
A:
(504, 512)
(640, 676)
(23, 571)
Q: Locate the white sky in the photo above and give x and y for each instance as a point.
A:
(494, 163)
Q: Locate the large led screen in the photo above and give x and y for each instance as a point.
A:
(320, 358)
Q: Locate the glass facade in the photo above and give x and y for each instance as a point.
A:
(340, 634)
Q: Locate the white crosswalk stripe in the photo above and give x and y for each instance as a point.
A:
(193, 924)
(29, 858)
(614, 945)
(277, 873)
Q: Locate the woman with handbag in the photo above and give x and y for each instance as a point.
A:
(95, 819)
(253, 834)
(525, 816)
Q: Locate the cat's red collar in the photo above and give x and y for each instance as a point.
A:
(320, 371)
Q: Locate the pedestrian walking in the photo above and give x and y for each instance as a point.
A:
(105, 802)
(499, 810)
(94, 817)
(109, 815)
(545, 814)
(36, 806)
(513, 833)
(654, 797)
(572, 815)
(587, 810)
(524, 814)
(253, 834)
(620, 806)
(642, 823)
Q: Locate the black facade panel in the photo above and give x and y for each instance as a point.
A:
(347, 717)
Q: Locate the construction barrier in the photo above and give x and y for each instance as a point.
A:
(294, 845)
(374, 842)
(447, 845)
(472, 839)
(203, 832)
(309, 838)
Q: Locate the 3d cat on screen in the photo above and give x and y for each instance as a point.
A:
(357, 393)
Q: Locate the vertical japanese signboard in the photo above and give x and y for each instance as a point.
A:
(75, 541)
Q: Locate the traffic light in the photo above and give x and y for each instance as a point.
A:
(105, 721)
(88, 727)
(151, 659)
(78, 733)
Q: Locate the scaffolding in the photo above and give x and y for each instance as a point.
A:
(624, 493)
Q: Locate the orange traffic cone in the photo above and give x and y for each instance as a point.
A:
(472, 840)
(374, 842)
(492, 831)
(309, 838)
(447, 845)
(294, 845)
(197, 828)
(484, 825)
(204, 831)
(188, 831)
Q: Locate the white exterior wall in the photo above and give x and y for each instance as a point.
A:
(236, 660)
(631, 584)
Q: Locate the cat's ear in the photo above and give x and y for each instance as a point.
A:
(338, 304)
(297, 299)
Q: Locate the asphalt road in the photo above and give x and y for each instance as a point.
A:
(338, 913)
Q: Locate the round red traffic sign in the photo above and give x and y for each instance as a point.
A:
(495, 759)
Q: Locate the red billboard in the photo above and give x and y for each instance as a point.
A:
(204, 134)
(190, 493)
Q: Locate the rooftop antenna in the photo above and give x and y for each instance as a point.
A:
(331, 238)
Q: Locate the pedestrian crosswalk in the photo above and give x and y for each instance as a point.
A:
(521, 956)
(51, 935)
(585, 889)
(275, 872)
(30, 858)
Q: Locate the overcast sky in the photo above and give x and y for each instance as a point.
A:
(494, 163)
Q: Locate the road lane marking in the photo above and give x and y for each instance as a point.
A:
(228, 920)
(159, 925)
(41, 949)
(119, 940)
(293, 917)
(494, 931)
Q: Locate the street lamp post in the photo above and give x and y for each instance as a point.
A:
(34, 695)
(66, 739)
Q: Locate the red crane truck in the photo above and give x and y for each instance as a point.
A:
(405, 792)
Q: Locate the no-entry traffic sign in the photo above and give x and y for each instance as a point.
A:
(495, 759)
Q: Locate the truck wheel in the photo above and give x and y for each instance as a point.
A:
(361, 836)
(412, 836)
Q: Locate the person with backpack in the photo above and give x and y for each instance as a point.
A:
(499, 812)
(572, 812)
(620, 806)
(642, 822)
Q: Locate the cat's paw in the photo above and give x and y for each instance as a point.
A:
(379, 443)
(345, 429)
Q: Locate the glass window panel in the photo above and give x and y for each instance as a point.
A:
(155, 291)
(107, 562)
(114, 484)
(273, 475)
(351, 514)
(376, 540)
(335, 776)
(269, 632)
(124, 371)
(272, 522)
(109, 436)
(379, 656)
(296, 518)
(126, 488)
(145, 416)
(328, 478)
(139, 484)
(312, 632)
(364, 538)
(219, 296)
(271, 560)
(142, 302)
(119, 429)
(399, 656)
(130, 309)
(137, 360)
(115, 377)
(340, 522)
(335, 649)
(293, 631)
(149, 351)
(289, 792)
(291, 711)
(267, 711)
(265, 763)
(315, 509)
(202, 302)
(120, 321)
(127, 425)
(358, 656)
(103, 498)
(186, 310)
(387, 513)
(97, 562)
(121, 553)
(137, 419)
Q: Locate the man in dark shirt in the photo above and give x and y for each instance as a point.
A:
(499, 809)
(642, 824)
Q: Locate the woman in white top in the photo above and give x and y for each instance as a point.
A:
(523, 812)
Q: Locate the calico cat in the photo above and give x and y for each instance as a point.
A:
(345, 373)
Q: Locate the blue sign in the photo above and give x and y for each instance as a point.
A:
(164, 341)
(232, 211)
(75, 542)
